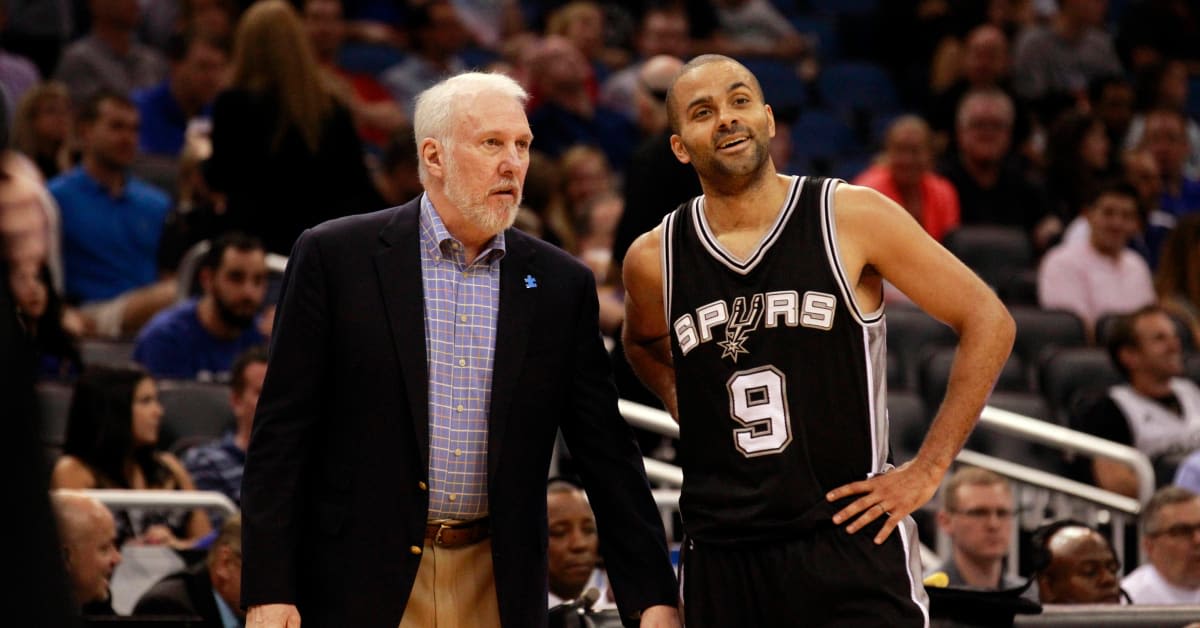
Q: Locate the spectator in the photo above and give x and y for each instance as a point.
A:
(438, 38)
(586, 175)
(1101, 275)
(40, 311)
(211, 589)
(1076, 162)
(1111, 99)
(664, 31)
(1156, 411)
(1074, 564)
(398, 178)
(197, 74)
(991, 189)
(39, 30)
(1164, 85)
(755, 28)
(199, 338)
(199, 213)
(218, 466)
(376, 115)
(111, 223)
(1170, 523)
(1053, 64)
(977, 514)
(112, 430)
(656, 181)
(42, 128)
(285, 153)
(573, 548)
(1166, 138)
(89, 549)
(1177, 281)
(110, 57)
(904, 174)
(567, 114)
(583, 23)
(17, 73)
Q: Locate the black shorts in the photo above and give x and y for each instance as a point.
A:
(826, 577)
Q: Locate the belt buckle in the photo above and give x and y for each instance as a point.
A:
(437, 538)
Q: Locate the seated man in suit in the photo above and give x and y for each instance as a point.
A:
(210, 590)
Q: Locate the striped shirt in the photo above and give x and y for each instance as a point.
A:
(461, 304)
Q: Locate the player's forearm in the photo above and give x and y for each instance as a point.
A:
(656, 373)
(984, 345)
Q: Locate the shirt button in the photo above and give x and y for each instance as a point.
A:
(452, 497)
(463, 318)
(460, 407)
(423, 486)
(458, 452)
(415, 550)
(462, 362)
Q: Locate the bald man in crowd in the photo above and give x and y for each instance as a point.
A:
(90, 553)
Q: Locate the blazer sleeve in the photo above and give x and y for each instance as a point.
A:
(603, 447)
(281, 441)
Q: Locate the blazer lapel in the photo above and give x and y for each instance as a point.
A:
(398, 267)
(518, 298)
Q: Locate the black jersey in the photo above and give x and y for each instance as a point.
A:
(779, 375)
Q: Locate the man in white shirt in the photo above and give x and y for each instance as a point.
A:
(1171, 538)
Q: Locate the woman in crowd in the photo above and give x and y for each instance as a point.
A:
(112, 430)
(285, 153)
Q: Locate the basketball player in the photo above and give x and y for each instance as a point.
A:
(755, 312)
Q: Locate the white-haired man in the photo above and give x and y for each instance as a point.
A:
(422, 361)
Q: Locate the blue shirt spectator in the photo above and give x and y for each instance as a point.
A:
(175, 345)
(109, 241)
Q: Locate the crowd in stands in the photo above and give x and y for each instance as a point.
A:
(157, 154)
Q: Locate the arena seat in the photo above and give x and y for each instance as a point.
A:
(192, 409)
(995, 253)
(1069, 372)
(935, 374)
(911, 334)
(1042, 331)
(908, 421)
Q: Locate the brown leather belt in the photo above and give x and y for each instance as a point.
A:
(456, 533)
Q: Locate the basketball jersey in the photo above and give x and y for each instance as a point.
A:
(780, 378)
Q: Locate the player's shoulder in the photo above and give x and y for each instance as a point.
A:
(646, 250)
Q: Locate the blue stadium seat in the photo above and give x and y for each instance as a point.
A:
(850, 86)
(370, 59)
(821, 28)
(780, 81)
(996, 253)
(820, 134)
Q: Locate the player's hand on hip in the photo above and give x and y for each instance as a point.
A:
(273, 616)
(660, 616)
(894, 495)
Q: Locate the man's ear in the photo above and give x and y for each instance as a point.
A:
(680, 150)
(205, 277)
(770, 121)
(432, 155)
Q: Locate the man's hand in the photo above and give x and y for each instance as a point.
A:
(894, 494)
(273, 616)
(660, 616)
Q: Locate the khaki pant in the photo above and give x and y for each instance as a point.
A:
(455, 588)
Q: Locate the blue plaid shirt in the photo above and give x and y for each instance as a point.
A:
(462, 299)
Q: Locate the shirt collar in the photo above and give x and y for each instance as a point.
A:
(228, 618)
(440, 244)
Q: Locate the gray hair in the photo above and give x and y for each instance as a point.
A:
(436, 108)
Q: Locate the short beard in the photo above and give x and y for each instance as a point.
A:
(476, 211)
(230, 317)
